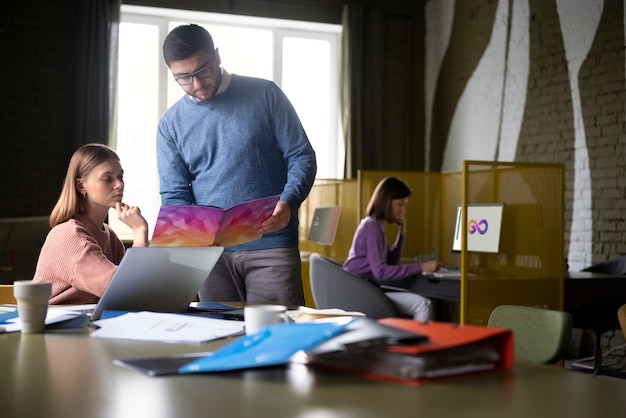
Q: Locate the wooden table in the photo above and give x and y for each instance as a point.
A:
(67, 374)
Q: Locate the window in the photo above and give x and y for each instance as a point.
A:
(302, 58)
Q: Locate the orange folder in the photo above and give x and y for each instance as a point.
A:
(451, 350)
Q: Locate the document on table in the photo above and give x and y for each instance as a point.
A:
(166, 327)
(305, 314)
(55, 318)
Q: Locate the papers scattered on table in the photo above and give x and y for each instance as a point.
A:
(55, 319)
(272, 345)
(166, 327)
(304, 314)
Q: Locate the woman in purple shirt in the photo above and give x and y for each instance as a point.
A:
(370, 256)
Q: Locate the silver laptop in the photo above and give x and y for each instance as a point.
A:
(159, 279)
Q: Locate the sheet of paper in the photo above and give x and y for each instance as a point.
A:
(10, 321)
(305, 314)
(166, 327)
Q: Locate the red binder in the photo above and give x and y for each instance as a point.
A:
(452, 350)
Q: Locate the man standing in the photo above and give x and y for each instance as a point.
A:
(229, 140)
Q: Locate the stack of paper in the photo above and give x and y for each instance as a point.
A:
(166, 327)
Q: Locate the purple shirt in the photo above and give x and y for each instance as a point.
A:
(370, 257)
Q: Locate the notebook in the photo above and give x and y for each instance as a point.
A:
(159, 279)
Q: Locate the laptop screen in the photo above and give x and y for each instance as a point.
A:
(484, 222)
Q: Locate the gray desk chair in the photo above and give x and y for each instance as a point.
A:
(539, 335)
(333, 287)
(615, 266)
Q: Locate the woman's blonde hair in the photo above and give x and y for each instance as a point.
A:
(71, 202)
(388, 189)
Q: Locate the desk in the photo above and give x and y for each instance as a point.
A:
(581, 289)
(67, 374)
(591, 298)
(585, 288)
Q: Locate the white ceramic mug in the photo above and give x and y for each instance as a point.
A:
(257, 316)
(32, 304)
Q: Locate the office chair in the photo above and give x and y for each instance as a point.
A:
(615, 266)
(334, 287)
(539, 335)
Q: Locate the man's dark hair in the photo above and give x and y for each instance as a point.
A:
(184, 41)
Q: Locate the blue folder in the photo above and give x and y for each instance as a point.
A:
(271, 345)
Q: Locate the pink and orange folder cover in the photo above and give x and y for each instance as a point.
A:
(198, 226)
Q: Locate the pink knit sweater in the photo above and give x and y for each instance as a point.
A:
(79, 259)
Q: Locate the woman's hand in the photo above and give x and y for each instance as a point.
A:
(430, 266)
(131, 216)
(401, 222)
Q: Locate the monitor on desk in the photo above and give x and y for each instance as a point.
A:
(484, 221)
(324, 225)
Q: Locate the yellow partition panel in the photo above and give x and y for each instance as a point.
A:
(325, 193)
(6, 294)
(528, 268)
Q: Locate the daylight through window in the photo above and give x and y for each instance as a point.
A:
(302, 58)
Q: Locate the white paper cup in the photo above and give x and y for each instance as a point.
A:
(32, 304)
(257, 316)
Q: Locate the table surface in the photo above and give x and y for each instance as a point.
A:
(69, 374)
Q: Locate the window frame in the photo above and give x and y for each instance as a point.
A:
(161, 18)
(281, 28)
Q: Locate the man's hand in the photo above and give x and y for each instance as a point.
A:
(278, 220)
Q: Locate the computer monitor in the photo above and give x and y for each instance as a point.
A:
(324, 225)
(484, 222)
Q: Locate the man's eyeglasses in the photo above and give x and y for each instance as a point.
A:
(186, 79)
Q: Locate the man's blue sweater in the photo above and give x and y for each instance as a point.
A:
(243, 144)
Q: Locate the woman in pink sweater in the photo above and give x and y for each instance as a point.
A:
(81, 252)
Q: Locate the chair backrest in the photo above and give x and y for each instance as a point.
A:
(614, 266)
(621, 316)
(334, 287)
(6, 294)
(539, 335)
